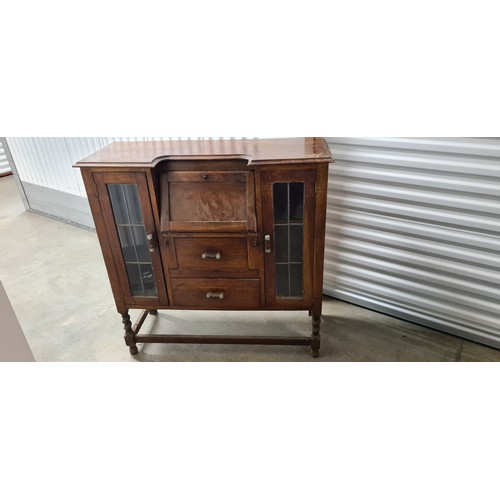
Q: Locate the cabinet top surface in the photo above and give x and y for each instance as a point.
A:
(148, 153)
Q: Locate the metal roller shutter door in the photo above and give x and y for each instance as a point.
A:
(414, 231)
(4, 164)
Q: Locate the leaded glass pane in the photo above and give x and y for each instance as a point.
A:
(288, 209)
(132, 233)
(280, 195)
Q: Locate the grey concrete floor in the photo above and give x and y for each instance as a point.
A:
(55, 278)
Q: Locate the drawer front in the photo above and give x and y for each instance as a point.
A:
(216, 293)
(211, 254)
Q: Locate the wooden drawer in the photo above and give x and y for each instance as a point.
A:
(216, 293)
(211, 254)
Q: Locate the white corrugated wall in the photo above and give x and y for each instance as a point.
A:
(414, 230)
(4, 164)
(47, 161)
(413, 223)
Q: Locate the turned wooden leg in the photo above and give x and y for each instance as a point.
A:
(315, 338)
(129, 334)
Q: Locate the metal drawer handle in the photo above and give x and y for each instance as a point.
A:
(215, 295)
(211, 255)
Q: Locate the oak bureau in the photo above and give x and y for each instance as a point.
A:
(212, 224)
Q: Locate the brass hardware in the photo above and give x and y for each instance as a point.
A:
(215, 295)
(211, 255)
(255, 240)
(267, 243)
(205, 177)
(151, 242)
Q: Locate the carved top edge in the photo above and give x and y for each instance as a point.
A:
(253, 151)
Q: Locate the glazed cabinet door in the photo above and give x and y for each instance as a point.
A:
(288, 203)
(126, 209)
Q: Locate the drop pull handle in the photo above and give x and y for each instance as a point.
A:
(211, 255)
(215, 295)
(151, 242)
(267, 243)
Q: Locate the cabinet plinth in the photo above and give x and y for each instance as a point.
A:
(213, 225)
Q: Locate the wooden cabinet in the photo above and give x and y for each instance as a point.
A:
(224, 225)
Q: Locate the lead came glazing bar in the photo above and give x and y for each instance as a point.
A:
(288, 236)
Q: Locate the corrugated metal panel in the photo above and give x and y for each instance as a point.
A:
(413, 223)
(4, 164)
(78, 148)
(44, 161)
(414, 230)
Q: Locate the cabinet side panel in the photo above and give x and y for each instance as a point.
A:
(319, 238)
(102, 236)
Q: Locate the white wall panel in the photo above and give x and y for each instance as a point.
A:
(414, 230)
(44, 161)
(413, 223)
(4, 164)
(78, 148)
